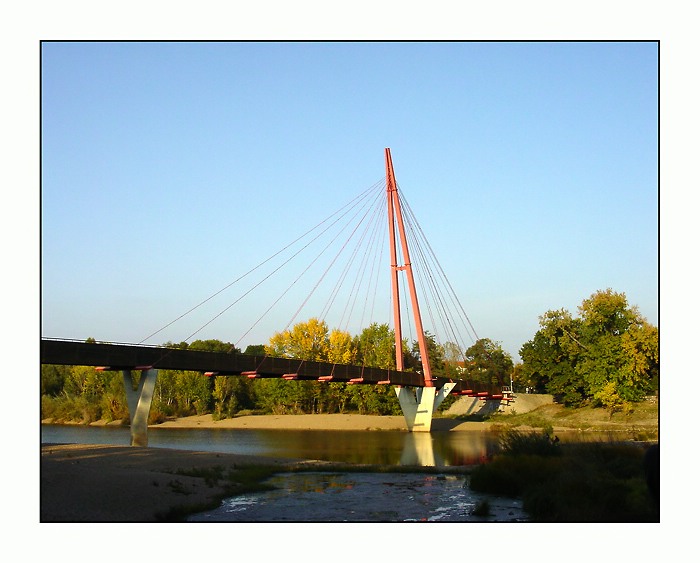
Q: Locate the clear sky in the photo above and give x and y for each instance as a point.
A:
(170, 169)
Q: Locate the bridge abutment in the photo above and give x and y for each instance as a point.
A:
(139, 400)
(419, 403)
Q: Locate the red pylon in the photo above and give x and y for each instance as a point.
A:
(396, 220)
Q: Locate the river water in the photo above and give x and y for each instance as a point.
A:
(332, 496)
(438, 449)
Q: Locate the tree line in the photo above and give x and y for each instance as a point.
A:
(607, 357)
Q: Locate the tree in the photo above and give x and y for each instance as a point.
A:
(375, 347)
(374, 399)
(487, 363)
(231, 395)
(334, 397)
(113, 401)
(83, 381)
(549, 369)
(641, 348)
(609, 356)
(165, 393)
(193, 393)
(305, 341)
(621, 353)
(255, 350)
(308, 341)
(453, 356)
(557, 353)
(340, 348)
(213, 345)
(607, 313)
(436, 355)
(53, 378)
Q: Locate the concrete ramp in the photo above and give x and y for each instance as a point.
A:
(524, 402)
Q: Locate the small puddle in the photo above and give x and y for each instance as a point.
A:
(365, 497)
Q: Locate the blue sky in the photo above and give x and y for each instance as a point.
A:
(170, 169)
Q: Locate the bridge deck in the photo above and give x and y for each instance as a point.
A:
(126, 356)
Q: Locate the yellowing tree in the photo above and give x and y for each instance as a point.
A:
(305, 341)
(340, 350)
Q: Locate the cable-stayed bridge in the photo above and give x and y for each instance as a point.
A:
(419, 391)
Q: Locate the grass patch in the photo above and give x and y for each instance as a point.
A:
(640, 422)
(582, 482)
(473, 417)
(235, 480)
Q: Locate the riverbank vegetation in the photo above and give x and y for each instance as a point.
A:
(640, 423)
(607, 357)
(573, 482)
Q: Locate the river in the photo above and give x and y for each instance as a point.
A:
(438, 449)
(333, 496)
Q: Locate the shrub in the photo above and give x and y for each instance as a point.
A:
(514, 442)
(590, 482)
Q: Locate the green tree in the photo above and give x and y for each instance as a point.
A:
(83, 381)
(609, 356)
(113, 404)
(375, 347)
(436, 355)
(563, 350)
(278, 396)
(374, 399)
(213, 345)
(333, 397)
(231, 395)
(53, 378)
(487, 363)
(621, 355)
(165, 393)
(193, 393)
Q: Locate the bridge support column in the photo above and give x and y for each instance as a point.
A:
(139, 401)
(418, 405)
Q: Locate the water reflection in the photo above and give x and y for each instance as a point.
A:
(437, 449)
(418, 450)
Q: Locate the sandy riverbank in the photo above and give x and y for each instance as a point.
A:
(319, 422)
(306, 422)
(97, 483)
